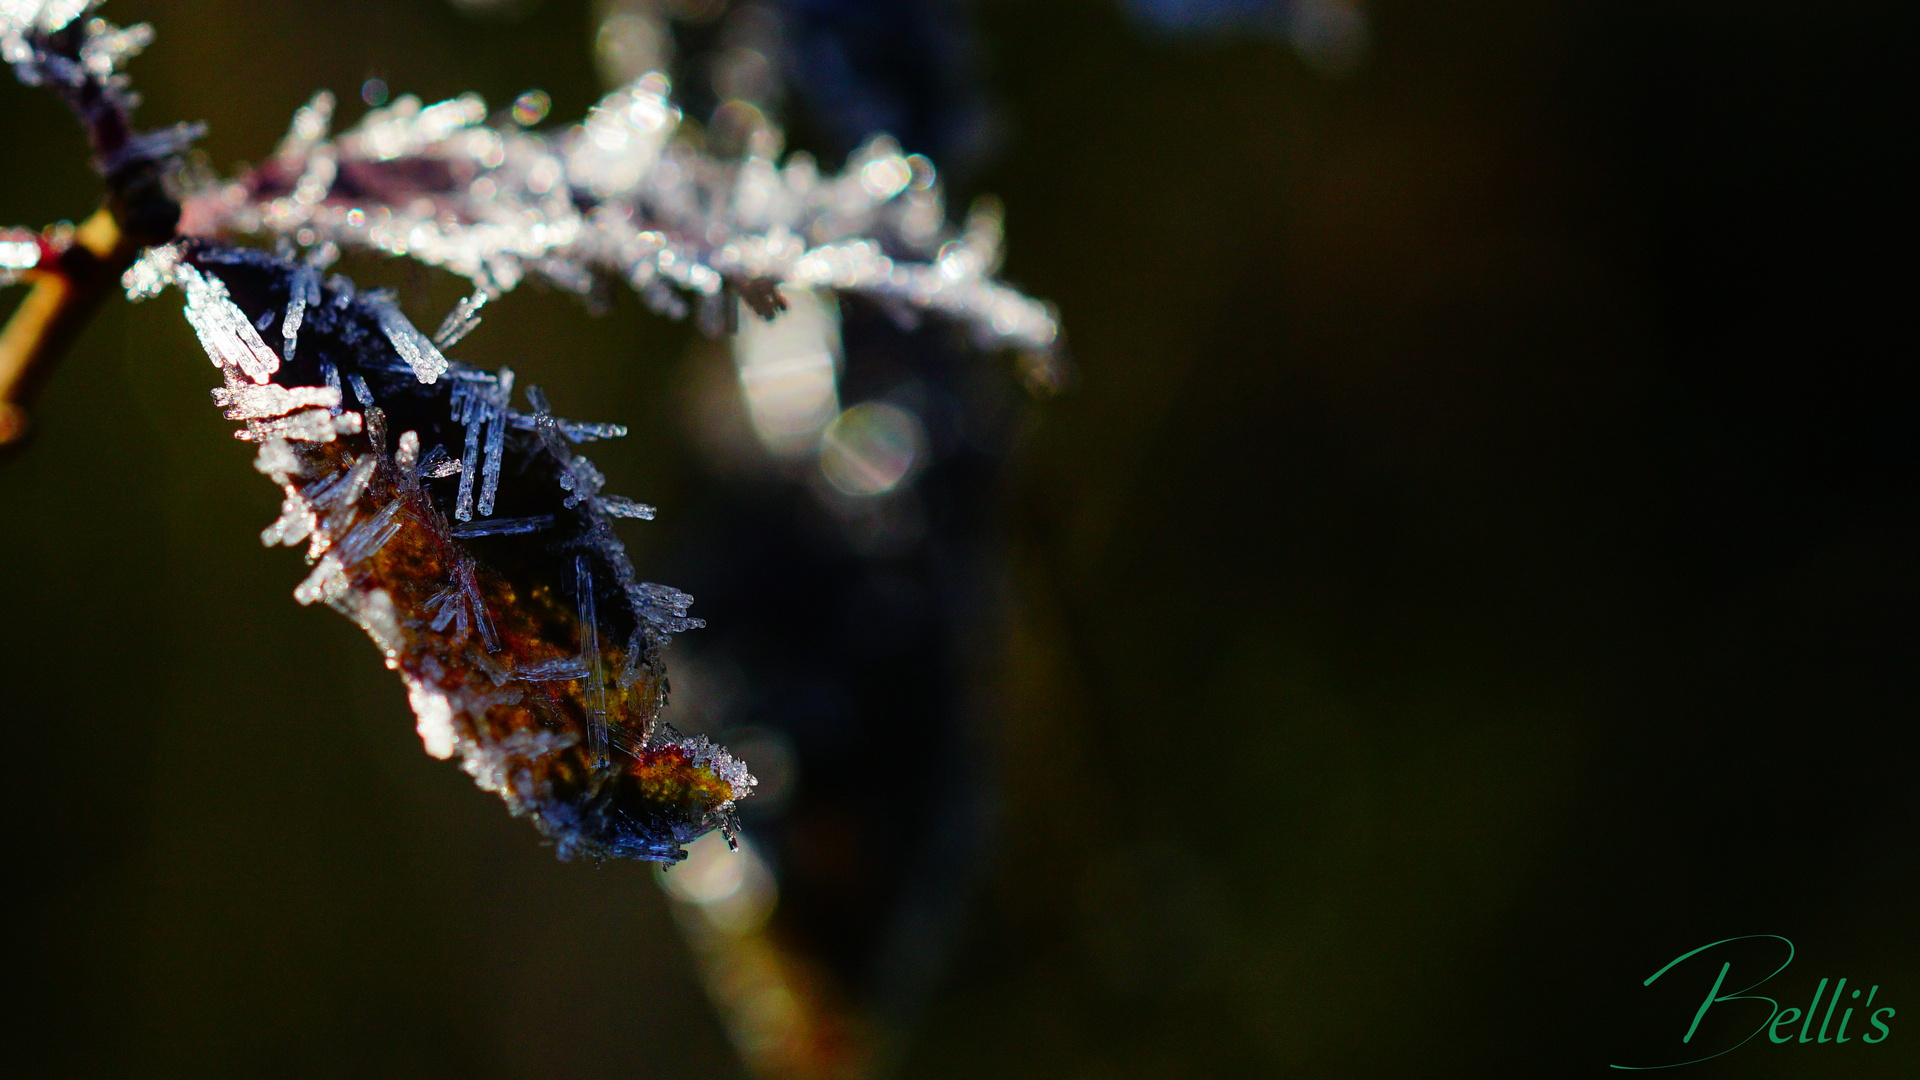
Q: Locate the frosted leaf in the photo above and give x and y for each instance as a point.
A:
(615, 197)
(505, 676)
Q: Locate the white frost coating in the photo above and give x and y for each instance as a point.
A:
(245, 402)
(406, 458)
(433, 718)
(492, 766)
(152, 272)
(295, 523)
(621, 140)
(327, 583)
(106, 49)
(316, 425)
(375, 614)
(616, 197)
(277, 460)
(714, 758)
(48, 16)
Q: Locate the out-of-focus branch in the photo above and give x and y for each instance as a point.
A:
(53, 43)
(624, 197)
(64, 297)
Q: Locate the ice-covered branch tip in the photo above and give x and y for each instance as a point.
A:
(49, 43)
(618, 196)
(530, 651)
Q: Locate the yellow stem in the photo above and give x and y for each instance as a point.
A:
(53, 314)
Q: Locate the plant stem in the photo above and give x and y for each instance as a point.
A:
(53, 314)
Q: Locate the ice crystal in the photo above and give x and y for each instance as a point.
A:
(549, 702)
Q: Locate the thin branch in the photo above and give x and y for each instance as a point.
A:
(67, 289)
(53, 44)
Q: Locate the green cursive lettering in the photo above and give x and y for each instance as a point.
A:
(1714, 997)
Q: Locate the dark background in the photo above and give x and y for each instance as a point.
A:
(1475, 567)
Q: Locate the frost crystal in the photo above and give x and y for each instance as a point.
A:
(419, 353)
(503, 526)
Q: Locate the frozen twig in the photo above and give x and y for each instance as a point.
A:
(51, 43)
(621, 197)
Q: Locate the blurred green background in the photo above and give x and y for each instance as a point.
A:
(1475, 567)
